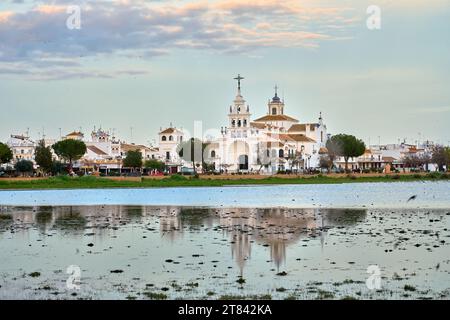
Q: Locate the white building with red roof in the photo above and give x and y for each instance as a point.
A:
(268, 144)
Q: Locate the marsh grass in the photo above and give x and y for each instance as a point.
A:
(89, 182)
(155, 295)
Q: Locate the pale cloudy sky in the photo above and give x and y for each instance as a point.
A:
(144, 64)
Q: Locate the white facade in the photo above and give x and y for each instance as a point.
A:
(272, 143)
(22, 148)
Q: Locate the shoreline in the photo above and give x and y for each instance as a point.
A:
(76, 183)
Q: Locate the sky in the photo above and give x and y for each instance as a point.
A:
(136, 66)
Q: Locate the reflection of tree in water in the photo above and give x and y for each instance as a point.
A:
(170, 225)
(342, 217)
(134, 213)
(70, 219)
(173, 220)
(194, 217)
(101, 219)
(18, 218)
(6, 219)
(44, 218)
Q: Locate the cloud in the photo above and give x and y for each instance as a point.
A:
(146, 29)
(53, 69)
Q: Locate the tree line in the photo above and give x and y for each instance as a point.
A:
(69, 150)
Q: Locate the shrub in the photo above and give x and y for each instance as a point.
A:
(434, 175)
(177, 177)
(24, 166)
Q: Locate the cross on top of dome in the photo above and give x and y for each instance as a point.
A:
(239, 78)
(276, 98)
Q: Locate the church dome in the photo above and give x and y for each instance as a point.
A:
(276, 98)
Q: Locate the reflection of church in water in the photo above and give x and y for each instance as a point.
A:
(275, 228)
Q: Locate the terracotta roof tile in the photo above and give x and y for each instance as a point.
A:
(75, 133)
(277, 117)
(96, 150)
(291, 137)
(301, 127)
(168, 130)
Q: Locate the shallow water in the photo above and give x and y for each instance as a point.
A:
(430, 194)
(142, 252)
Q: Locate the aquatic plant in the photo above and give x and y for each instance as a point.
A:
(155, 295)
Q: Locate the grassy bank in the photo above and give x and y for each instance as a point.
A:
(208, 181)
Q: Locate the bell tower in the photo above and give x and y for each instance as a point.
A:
(276, 105)
(239, 114)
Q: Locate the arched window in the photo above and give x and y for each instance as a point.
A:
(281, 153)
(213, 154)
(268, 153)
(170, 138)
(245, 122)
(233, 122)
(238, 109)
(243, 162)
(163, 138)
(239, 122)
(274, 111)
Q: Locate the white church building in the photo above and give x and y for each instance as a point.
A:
(269, 144)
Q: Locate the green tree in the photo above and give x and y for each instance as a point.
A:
(325, 162)
(5, 153)
(441, 156)
(133, 159)
(447, 152)
(425, 160)
(154, 164)
(411, 161)
(193, 150)
(345, 145)
(43, 157)
(57, 168)
(294, 159)
(333, 147)
(70, 150)
(24, 166)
